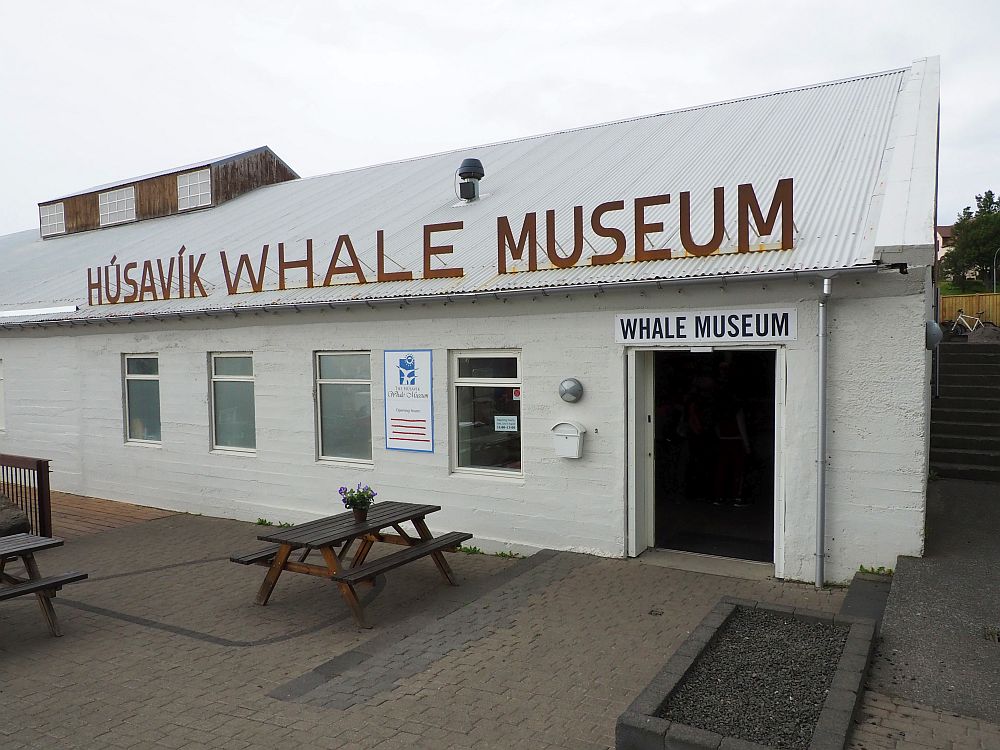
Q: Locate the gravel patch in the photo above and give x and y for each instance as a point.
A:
(764, 679)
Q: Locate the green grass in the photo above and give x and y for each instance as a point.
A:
(471, 550)
(280, 524)
(948, 289)
(511, 555)
(879, 571)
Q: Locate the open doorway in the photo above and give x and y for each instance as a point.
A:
(714, 450)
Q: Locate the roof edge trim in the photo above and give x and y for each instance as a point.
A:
(594, 287)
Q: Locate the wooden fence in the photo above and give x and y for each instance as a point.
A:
(26, 482)
(972, 304)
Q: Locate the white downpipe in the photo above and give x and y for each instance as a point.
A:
(821, 437)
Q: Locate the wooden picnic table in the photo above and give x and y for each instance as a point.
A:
(327, 534)
(23, 547)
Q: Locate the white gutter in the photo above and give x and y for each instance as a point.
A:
(821, 434)
(38, 311)
(593, 288)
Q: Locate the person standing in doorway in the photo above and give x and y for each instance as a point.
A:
(733, 450)
(702, 438)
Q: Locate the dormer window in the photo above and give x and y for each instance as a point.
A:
(194, 189)
(199, 185)
(117, 206)
(51, 219)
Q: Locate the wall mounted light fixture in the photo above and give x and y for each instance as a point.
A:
(571, 390)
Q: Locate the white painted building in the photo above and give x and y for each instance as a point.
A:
(648, 258)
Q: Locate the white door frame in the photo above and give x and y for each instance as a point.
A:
(640, 502)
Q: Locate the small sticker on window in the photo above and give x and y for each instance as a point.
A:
(504, 424)
(517, 394)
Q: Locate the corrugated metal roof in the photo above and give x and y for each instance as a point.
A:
(833, 139)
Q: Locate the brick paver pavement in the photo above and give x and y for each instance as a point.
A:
(890, 723)
(163, 648)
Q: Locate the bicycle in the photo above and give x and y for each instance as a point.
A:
(963, 321)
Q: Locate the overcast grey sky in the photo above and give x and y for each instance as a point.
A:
(100, 91)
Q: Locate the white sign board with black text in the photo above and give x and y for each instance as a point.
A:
(708, 326)
(409, 400)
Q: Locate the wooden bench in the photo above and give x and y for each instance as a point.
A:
(265, 556)
(354, 576)
(37, 585)
(23, 547)
(348, 578)
(260, 557)
(333, 537)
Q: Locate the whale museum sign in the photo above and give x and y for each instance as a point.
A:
(707, 327)
(180, 275)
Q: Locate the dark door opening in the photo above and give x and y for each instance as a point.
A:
(714, 453)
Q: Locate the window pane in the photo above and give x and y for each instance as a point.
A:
(234, 416)
(345, 367)
(489, 428)
(345, 420)
(142, 366)
(242, 366)
(487, 367)
(143, 409)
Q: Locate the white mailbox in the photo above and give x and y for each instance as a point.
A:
(568, 439)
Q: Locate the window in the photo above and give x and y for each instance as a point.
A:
(142, 398)
(194, 189)
(487, 415)
(344, 405)
(233, 424)
(52, 219)
(117, 205)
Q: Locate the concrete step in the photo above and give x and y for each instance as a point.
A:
(972, 404)
(990, 368)
(960, 347)
(964, 430)
(970, 358)
(966, 471)
(971, 391)
(968, 378)
(979, 416)
(971, 457)
(974, 440)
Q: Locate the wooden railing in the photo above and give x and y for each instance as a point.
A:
(26, 482)
(972, 304)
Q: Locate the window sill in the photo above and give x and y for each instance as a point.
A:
(506, 477)
(143, 444)
(353, 463)
(246, 452)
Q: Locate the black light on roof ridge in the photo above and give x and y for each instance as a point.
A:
(470, 172)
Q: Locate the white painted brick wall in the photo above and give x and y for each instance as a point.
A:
(64, 402)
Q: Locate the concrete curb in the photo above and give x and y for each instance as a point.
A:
(638, 728)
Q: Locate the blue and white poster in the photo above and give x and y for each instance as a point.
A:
(409, 400)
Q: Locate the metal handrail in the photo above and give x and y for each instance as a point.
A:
(25, 481)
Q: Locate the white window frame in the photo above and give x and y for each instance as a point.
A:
(197, 179)
(455, 382)
(212, 380)
(114, 202)
(127, 377)
(52, 219)
(318, 381)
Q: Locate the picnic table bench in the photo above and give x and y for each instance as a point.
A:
(23, 547)
(341, 531)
